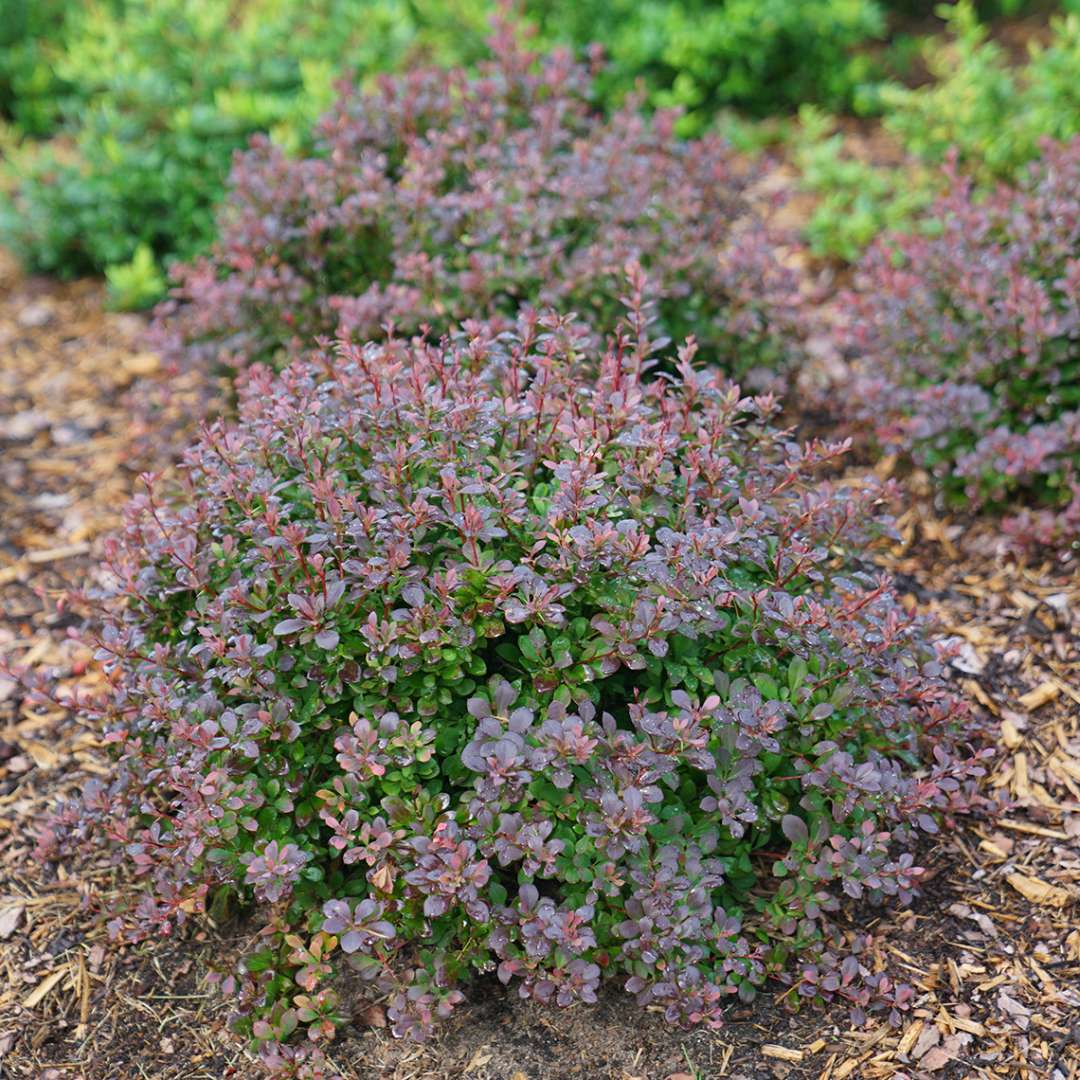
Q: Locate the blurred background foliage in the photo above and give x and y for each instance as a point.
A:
(120, 117)
(146, 101)
(979, 105)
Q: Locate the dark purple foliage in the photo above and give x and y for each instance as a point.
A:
(443, 196)
(971, 346)
(498, 654)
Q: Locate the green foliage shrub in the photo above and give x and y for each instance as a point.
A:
(992, 113)
(31, 35)
(758, 55)
(857, 200)
(980, 107)
(136, 284)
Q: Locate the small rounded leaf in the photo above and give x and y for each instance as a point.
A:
(794, 829)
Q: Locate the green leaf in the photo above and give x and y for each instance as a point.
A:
(798, 669)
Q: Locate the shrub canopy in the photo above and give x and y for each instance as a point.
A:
(497, 652)
(438, 197)
(972, 342)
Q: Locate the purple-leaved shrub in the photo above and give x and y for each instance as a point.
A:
(497, 654)
(437, 197)
(970, 342)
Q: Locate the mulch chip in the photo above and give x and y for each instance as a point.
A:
(992, 946)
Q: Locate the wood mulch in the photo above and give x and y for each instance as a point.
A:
(992, 946)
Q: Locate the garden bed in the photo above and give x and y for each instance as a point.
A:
(991, 946)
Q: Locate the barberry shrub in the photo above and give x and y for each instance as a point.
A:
(496, 654)
(971, 341)
(438, 197)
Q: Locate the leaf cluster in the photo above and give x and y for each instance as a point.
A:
(436, 197)
(971, 345)
(516, 652)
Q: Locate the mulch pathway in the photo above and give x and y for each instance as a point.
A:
(992, 946)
